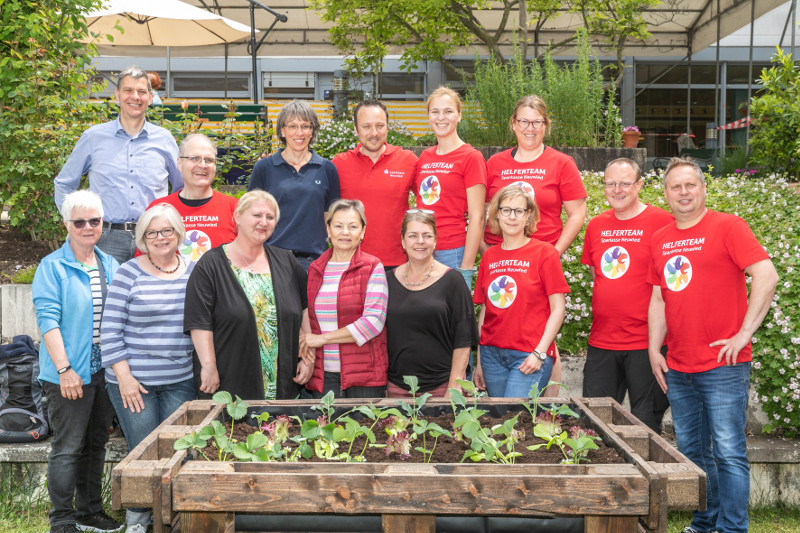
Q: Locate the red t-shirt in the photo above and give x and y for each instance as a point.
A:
(383, 187)
(701, 274)
(441, 184)
(207, 226)
(553, 178)
(619, 251)
(514, 286)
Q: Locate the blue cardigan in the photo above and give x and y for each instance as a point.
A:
(62, 297)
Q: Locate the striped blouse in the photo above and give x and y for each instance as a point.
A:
(143, 323)
(365, 328)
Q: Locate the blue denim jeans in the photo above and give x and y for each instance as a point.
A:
(118, 243)
(78, 450)
(709, 411)
(501, 373)
(159, 402)
(452, 258)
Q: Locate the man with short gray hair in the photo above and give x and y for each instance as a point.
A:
(129, 162)
(699, 304)
(617, 250)
(207, 214)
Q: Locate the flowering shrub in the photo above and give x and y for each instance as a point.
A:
(772, 209)
(337, 136)
(333, 137)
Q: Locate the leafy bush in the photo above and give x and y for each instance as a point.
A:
(579, 101)
(772, 208)
(337, 136)
(776, 118)
(45, 79)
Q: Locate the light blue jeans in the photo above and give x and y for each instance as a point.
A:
(709, 411)
(501, 373)
(159, 402)
(452, 258)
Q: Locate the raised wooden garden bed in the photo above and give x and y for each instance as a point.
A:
(198, 495)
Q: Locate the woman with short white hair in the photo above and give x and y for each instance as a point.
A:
(147, 357)
(68, 292)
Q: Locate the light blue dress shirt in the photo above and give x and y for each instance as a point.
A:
(127, 172)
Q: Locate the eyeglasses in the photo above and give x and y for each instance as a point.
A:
(518, 212)
(426, 211)
(305, 128)
(152, 234)
(79, 223)
(523, 123)
(196, 159)
(622, 184)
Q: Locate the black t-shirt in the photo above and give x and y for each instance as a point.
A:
(424, 327)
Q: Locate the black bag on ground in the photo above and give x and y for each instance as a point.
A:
(23, 409)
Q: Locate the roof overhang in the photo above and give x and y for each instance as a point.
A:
(678, 27)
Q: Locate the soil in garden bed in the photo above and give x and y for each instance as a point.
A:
(449, 450)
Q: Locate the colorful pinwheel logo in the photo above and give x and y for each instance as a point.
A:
(615, 262)
(678, 273)
(502, 292)
(527, 187)
(430, 190)
(195, 244)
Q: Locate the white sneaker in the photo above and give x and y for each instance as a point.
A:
(136, 528)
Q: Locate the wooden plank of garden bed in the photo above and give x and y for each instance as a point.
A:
(405, 523)
(656, 517)
(137, 482)
(208, 522)
(523, 490)
(610, 524)
(163, 516)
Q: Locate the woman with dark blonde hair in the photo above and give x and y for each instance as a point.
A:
(550, 176)
(303, 183)
(451, 182)
(522, 288)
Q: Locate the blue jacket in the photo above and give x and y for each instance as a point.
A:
(63, 299)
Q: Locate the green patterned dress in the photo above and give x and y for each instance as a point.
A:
(260, 294)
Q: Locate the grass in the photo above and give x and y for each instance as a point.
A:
(776, 519)
(24, 505)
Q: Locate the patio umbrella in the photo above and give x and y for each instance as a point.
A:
(161, 23)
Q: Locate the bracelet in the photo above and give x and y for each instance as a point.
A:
(62, 370)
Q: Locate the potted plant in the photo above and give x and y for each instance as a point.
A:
(630, 136)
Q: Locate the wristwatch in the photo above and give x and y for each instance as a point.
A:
(540, 355)
(62, 370)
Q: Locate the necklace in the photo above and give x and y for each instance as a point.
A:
(161, 269)
(420, 282)
(249, 268)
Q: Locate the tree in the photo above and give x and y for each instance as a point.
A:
(776, 118)
(367, 30)
(45, 81)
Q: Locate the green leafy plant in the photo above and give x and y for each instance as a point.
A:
(776, 118)
(580, 101)
(236, 409)
(548, 426)
(23, 275)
